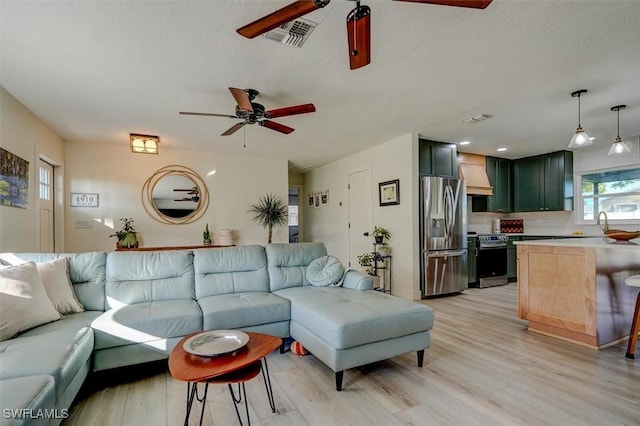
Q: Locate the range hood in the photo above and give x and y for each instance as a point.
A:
(473, 170)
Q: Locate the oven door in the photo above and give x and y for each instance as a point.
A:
(492, 266)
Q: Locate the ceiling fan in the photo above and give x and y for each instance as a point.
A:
(358, 23)
(251, 112)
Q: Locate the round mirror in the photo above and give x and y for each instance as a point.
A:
(174, 195)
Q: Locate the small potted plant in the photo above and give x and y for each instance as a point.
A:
(206, 236)
(366, 263)
(126, 236)
(380, 234)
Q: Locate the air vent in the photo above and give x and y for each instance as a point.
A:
(293, 33)
(475, 119)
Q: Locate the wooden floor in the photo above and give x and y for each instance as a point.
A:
(483, 368)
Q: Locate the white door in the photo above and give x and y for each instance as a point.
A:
(45, 203)
(360, 215)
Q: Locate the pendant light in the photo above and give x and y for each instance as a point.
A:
(619, 147)
(580, 138)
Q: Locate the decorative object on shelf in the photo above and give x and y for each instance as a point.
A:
(175, 195)
(580, 137)
(206, 235)
(619, 146)
(270, 211)
(127, 234)
(366, 260)
(225, 237)
(380, 234)
(143, 144)
(14, 180)
(384, 250)
(389, 192)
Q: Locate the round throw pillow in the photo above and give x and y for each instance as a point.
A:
(298, 349)
(325, 271)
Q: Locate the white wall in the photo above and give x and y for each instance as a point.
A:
(396, 159)
(591, 158)
(25, 135)
(118, 175)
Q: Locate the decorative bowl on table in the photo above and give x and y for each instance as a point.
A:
(216, 342)
(620, 235)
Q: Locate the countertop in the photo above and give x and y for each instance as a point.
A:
(595, 242)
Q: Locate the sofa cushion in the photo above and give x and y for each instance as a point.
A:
(345, 318)
(61, 354)
(239, 310)
(146, 322)
(325, 271)
(140, 277)
(86, 271)
(287, 263)
(35, 393)
(230, 270)
(24, 303)
(55, 277)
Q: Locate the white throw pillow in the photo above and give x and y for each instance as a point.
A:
(325, 271)
(24, 303)
(55, 277)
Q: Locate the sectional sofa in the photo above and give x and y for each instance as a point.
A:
(138, 305)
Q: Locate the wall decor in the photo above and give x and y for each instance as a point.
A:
(14, 180)
(324, 198)
(311, 200)
(389, 192)
(84, 199)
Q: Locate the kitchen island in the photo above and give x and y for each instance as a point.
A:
(574, 288)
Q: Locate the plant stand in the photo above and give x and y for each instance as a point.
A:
(385, 271)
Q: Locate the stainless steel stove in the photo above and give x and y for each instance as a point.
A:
(492, 259)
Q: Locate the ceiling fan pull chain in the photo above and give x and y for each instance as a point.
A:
(244, 134)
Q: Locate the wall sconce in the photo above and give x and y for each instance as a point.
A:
(143, 144)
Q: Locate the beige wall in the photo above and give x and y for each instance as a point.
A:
(118, 175)
(26, 136)
(395, 159)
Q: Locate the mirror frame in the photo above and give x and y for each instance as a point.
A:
(152, 210)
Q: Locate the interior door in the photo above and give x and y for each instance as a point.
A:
(45, 206)
(360, 215)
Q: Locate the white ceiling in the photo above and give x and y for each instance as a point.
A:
(96, 71)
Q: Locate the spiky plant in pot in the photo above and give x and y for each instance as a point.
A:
(270, 211)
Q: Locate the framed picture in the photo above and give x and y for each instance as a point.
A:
(311, 200)
(324, 198)
(14, 180)
(389, 192)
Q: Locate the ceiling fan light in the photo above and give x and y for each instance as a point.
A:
(580, 138)
(619, 147)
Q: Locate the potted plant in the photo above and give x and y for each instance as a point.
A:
(366, 260)
(127, 234)
(206, 235)
(270, 211)
(380, 234)
(384, 250)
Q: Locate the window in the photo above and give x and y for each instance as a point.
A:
(616, 192)
(45, 184)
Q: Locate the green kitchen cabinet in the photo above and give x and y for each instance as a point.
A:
(472, 254)
(544, 182)
(437, 159)
(500, 174)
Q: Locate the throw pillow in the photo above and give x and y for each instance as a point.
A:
(23, 300)
(325, 271)
(55, 277)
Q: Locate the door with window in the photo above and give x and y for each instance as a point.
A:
(45, 206)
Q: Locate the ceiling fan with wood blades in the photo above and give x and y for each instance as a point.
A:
(252, 112)
(358, 23)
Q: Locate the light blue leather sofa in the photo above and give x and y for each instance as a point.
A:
(140, 304)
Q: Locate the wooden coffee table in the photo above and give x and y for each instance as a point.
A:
(237, 367)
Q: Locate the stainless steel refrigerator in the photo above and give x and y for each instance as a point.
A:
(443, 236)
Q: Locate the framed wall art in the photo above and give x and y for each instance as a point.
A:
(389, 192)
(14, 180)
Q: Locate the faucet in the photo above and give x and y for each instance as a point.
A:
(606, 221)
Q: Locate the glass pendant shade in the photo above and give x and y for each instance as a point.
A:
(580, 138)
(619, 147)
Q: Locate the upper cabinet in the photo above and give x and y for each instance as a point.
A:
(544, 182)
(500, 174)
(437, 159)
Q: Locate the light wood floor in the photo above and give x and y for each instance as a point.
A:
(483, 368)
